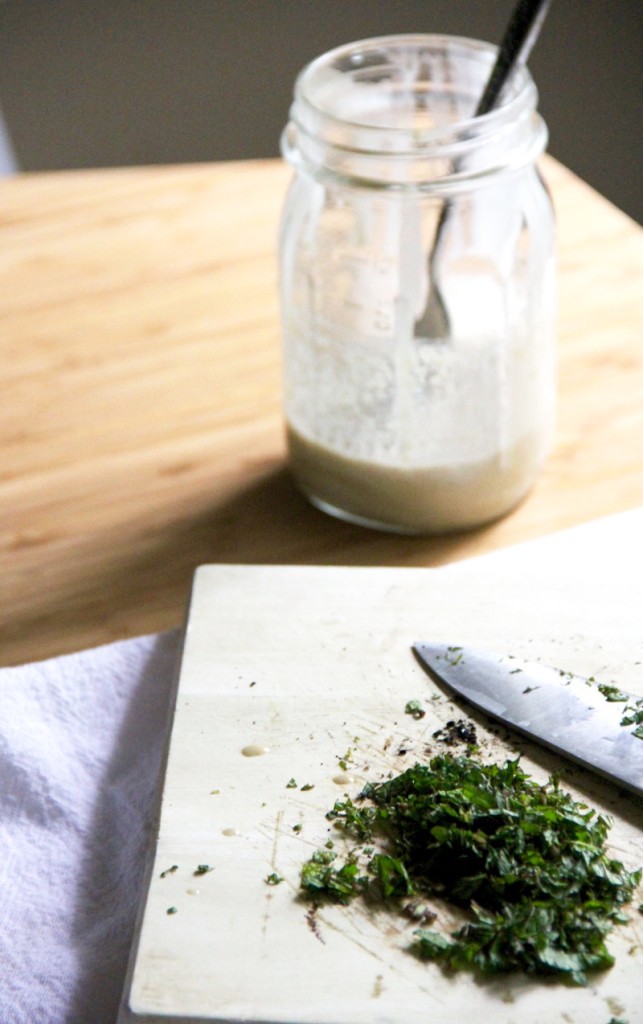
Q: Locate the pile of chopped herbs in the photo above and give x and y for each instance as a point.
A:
(526, 861)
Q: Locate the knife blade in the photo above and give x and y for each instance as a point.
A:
(565, 712)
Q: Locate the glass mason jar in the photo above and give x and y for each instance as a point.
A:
(417, 286)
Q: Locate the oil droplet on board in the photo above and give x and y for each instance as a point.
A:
(230, 832)
(254, 750)
(344, 779)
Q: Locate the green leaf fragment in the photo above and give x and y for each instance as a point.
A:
(415, 709)
(612, 693)
(319, 878)
(432, 945)
(355, 820)
(392, 876)
(633, 715)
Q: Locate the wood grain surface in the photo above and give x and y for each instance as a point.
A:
(140, 421)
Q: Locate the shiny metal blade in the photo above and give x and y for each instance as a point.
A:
(565, 712)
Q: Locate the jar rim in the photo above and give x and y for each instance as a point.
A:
(523, 93)
(389, 112)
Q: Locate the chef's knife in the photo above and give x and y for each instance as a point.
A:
(566, 712)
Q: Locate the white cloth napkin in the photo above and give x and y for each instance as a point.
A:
(81, 741)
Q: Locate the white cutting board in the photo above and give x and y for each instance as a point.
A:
(302, 661)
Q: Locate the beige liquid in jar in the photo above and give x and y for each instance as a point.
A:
(414, 499)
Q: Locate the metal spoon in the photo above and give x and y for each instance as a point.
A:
(516, 45)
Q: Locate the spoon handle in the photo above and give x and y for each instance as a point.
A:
(517, 42)
(516, 45)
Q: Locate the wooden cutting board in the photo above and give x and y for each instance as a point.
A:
(308, 663)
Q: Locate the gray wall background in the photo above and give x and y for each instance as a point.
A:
(120, 82)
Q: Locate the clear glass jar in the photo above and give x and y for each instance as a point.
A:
(402, 200)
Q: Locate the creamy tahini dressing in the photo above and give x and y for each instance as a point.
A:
(415, 499)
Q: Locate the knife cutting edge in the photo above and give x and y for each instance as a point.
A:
(570, 714)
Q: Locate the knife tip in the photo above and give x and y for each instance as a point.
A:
(433, 650)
